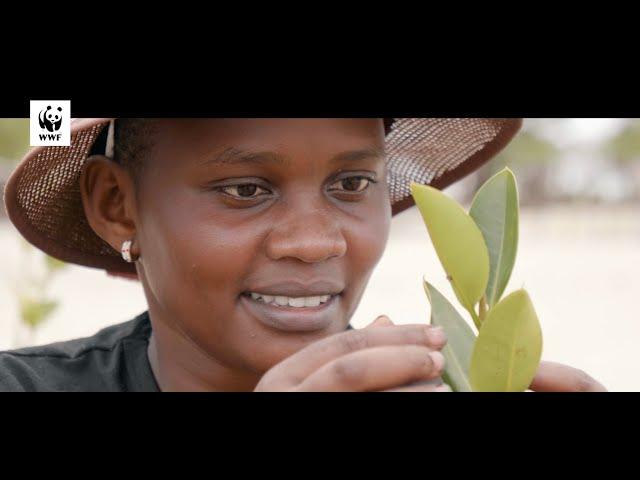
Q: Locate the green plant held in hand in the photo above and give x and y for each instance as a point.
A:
(477, 251)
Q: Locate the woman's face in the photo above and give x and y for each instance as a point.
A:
(286, 208)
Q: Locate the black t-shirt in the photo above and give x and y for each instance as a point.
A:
(113, 360)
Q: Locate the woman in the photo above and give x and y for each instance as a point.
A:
(253, 239)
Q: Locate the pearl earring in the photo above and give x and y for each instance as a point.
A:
(126, 251)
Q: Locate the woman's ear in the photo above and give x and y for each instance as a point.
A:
(108, 197)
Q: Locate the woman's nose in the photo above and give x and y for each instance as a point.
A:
(311, 236)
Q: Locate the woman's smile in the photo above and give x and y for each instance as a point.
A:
(293, 306)
(287, 314)
(283, 300)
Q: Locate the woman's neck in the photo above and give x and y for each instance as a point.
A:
(178, 364)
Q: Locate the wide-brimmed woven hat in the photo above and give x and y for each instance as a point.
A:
(42, 196)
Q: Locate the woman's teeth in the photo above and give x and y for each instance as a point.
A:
(299, 302)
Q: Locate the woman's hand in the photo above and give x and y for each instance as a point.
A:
(555, 377)
(381, 357)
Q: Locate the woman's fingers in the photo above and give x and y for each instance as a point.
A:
(376, 369)
(294, 369)
(555, 377)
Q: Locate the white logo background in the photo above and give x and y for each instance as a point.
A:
(40, 136)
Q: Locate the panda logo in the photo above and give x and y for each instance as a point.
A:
(50, 119)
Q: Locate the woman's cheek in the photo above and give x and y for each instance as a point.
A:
(173, 269)
(370, 235)
(367, 240)
(212, 265)
(186, 258)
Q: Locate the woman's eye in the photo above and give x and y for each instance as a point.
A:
(243, 191)
(354, 184)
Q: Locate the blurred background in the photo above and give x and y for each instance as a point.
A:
(578, 257)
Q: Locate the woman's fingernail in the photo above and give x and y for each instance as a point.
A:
(383, 320)
(444, 388)
(438, 360)
(437, 335)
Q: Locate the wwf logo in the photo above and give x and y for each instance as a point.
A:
(50, 123)
(50, 119)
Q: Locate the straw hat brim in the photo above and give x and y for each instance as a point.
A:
(42, 196)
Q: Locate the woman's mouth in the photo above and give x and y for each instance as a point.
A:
(295, 302)
(292, 314)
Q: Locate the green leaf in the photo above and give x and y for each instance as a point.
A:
(458, 243)
(457, 352)
(35, 311)
(507, 351)
(495, 211)
(53, 264)
(14, 139)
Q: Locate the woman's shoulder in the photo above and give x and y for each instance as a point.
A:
(98, 362)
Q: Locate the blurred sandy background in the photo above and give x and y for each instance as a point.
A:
(579, 253)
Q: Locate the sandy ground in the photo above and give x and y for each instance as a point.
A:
(579, 264)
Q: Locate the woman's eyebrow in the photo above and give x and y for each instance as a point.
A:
(232, 156)
(357, 155)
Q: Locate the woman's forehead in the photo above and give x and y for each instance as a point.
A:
(292, 143)
(276, 133)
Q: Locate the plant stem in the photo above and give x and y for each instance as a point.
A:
(482, 308)
(476, 320)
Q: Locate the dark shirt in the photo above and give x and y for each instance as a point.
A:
(113, 360)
